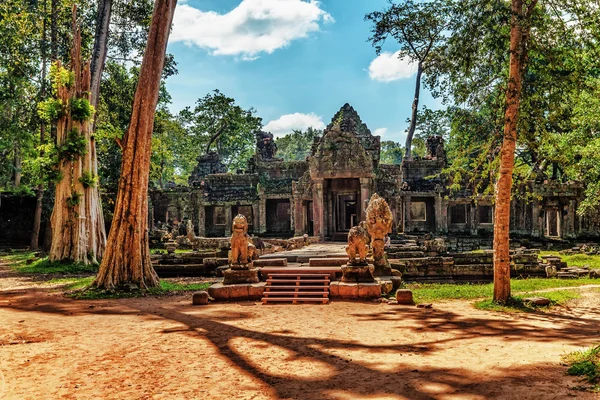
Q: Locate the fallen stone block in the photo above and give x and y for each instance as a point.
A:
(200, 298)
(404, 296)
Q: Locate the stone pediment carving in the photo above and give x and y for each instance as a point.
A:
(340, 155)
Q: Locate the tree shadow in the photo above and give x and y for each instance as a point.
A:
(344, 370)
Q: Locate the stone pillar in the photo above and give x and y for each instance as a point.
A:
(201, 220)
(228, 220)
(298, 217)
(537, 226)
(472, 219)
(255, 218)
(365, 194)
(318, 209)
(262, 216)
(407, 221)
(439, 219)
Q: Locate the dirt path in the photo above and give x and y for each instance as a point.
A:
(163, 348)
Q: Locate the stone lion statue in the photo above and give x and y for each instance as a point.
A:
(358, 243)
(242, 248)
(379, 223)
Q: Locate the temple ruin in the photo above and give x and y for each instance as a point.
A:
(325, 194)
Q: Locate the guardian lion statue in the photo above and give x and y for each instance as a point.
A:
(242, 249)
(379, 223)
(358, 243)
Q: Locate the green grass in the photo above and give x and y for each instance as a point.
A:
(585, 363)
(576, 260)
(427, 292)
(164, 251)
(166, 288)
(17, 261)
(516, 303)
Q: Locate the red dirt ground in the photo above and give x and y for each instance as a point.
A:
(164, 348)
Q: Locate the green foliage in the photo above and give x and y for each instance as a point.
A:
(81, 109)
(74, 146)
(585, 363)
(218, 121)
(391, 152)
(88, 179)
(18, 262)
(74, 200)
(51, 110)
(60, 77)
(297, 145)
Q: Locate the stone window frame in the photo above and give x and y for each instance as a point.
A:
(424, 219)
(216, 218)
(479, 221)
(465, 214)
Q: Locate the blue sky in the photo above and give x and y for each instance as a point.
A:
(295, 61)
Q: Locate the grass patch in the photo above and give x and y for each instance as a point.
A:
(17, 261)
(164, 251)
(517, 304)
(585, 363)
(576, 260)
(45, 266)
(166, 288)
(427, 292)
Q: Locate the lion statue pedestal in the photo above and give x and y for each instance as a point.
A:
(242, 253)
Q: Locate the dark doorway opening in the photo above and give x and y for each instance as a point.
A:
(278, 216)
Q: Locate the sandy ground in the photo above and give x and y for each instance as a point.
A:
(164, 348)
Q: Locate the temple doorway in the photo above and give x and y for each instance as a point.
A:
(344, 206)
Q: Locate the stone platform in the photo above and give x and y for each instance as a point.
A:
(237, 292)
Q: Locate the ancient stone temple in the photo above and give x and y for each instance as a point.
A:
(325, 194)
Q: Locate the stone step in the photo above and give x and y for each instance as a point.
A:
(270, 294)
(406, 254)
(286, 287)
(325, 281)
(267, 300)
(299, 276)
(271, 262)
(327, 262)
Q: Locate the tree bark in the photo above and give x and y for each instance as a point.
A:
(413, 117)
(127, 256)
(77, 220)
(39, 197)
(17, 166)
(518, 43)
(100, 47)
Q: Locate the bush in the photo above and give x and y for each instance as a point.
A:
(81, 109)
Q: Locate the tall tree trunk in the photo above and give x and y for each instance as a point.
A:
(54, 30)
(518, 41)
(39, 197)
(127, 256)
(93, 204)
(77, 224)
(413, 117)
(17, 166)
(100, 47)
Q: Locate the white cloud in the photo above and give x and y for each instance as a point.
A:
(253, 27)
(380, 131)
(387, 67)
(286, 123)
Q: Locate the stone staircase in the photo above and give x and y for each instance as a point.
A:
(296, 288)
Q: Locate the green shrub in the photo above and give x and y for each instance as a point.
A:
(81, 109)
(51, 110)
(74, 146)
(88, 179)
